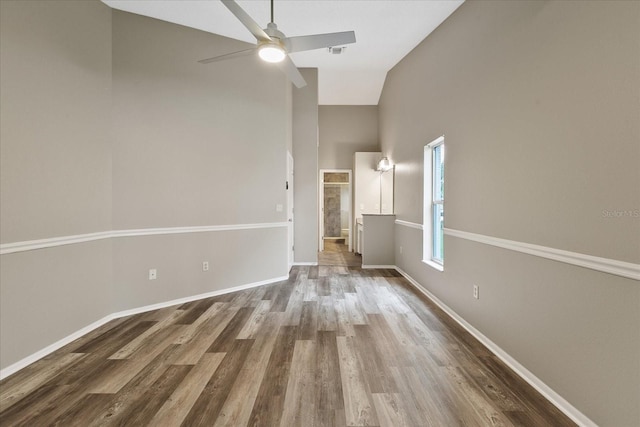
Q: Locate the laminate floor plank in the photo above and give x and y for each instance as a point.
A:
(255, 321)
(136, 389)
(376, 373)
(358, 405)
(32, 405)
(200, 341)
(190, 315)
(308, 321)
(294, 307)
(354, 309)
(25, 383)
(83, 411)
(326, 314)
(329, 407)
(333, 345)
(477, 405)
(298, 409)
(129, 348)
(238, 407)
(323, 288)
(335, 287)
(177, 406)
(424, 407)
(282, 299)
(390, 410)
(269, 403)
(111, 341)
(196, 327)
(366, 297)
(128, 370)
(141, 410)
(343, 320)
(385, 337)
(313, 272)
(113, 325)
(534, 404)
(214, 394)
(310, 290)
(227, 337)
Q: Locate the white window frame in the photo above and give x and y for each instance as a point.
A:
(429, 202)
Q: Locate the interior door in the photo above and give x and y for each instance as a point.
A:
(290, 215)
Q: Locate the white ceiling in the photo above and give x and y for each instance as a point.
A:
(386, 30)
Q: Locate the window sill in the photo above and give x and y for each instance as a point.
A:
(435, 265)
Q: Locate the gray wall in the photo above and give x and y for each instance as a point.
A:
(109, 123)
(305, 158)
(343, 130)
(194, 145)
(538, 102)
(55, 154)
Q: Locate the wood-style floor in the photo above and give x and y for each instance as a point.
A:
(331, 346)
(336, 252)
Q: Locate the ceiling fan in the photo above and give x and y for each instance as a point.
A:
(273, 46)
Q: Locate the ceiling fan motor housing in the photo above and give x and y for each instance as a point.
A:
(273, 32)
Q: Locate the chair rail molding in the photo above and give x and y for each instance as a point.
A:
(30, 245)
(625, 269)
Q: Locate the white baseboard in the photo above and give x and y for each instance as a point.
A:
(23, 363)
(366, 266)
(553, 397)
(301, 264)
(160, 305)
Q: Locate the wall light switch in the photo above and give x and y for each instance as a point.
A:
(279, 208)
(153, 274)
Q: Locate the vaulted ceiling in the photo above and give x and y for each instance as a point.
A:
(386, 30)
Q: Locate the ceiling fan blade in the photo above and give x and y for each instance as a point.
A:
(226, 56)
(318, 41)
(289, 68)
(246, 20)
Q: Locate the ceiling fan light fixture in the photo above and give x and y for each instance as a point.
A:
(271, 52)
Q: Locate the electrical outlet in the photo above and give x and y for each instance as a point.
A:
(476, 291)
(205, 266)
(153, 274)
(400, 250)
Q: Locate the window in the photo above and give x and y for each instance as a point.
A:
(433, 238)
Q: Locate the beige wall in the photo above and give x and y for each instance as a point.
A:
(539, 105)
(305, 157)
(55, 102)
(109, 123)
(194, 145)
(343, 130)
(56, 99)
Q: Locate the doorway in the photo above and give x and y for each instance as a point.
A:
(335, 208)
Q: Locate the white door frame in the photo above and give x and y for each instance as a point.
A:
(321, 205)
(290, 211)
